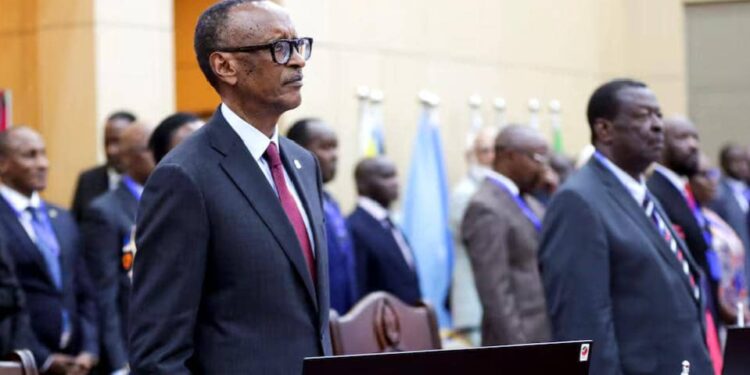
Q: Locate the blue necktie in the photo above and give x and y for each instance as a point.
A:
(47, 243)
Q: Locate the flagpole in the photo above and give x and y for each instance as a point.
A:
(376, 120)
(363, 97)
(555, 109)
(500, 107)
(534, 107)
(475, 120)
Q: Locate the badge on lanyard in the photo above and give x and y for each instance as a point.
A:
(128, 253)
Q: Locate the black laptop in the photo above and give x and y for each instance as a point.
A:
(548, 358)
(737, 351)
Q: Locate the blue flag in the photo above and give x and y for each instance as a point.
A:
(425, 216)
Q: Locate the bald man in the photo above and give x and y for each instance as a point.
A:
(45, 245)
(466, 309)
(107, 225)
(384, 259)
(501, 232)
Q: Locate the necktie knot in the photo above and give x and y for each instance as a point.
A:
(34, 211)
(272, 155)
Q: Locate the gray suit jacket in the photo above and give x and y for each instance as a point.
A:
(726, 206)
(220, 284)
(610, 276)
(502, 245)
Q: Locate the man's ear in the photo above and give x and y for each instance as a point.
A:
(224, 67)
(603, 130)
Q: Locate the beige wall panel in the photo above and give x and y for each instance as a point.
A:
(67, 105)
(135, 13)
(18, 72)
(65, 13)
(719, 83)
(135, 71)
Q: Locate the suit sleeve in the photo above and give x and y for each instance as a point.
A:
(172, 234)
(88, 311)
(102, 256)
(78, 197)
(486, 238)
(575, 266)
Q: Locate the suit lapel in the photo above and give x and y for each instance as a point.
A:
(29, 247)
(127, 201)
(244, 172)
(638, 215)
(314, 215)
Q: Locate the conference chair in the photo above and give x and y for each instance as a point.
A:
(20, 362)
(380, 323)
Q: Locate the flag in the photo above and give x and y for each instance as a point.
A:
(425, 216)
(557, 139)
(371, 129)
(5, 103)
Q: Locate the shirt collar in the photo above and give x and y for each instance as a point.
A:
(636, 188)
(507, 182)
(373, 208)
(255, 141)
(18, 201)
(678, 181)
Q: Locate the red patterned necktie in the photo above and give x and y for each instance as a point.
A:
(290, 207)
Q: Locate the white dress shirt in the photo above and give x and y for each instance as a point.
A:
(505, 181)
(381, 214)
(257, 143)
(636, 188)
(113, 178)
(20, 203)
(677, 181)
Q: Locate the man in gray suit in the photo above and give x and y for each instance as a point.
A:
(231, 273)
(614, 269)
(731, 201)
(500, 230)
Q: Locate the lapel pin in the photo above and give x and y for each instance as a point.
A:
(297, 164)
(52, 213)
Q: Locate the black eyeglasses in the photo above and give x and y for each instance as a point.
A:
(281, 50)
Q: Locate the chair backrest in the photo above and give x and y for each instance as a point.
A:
(380, 322)
(20, 362)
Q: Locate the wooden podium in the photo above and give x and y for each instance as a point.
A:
(561, 358)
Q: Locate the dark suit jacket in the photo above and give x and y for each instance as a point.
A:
(13, 327)
(502, 244)
(106, 225)
(44, 301)
(220, 284)
(726, 206)
(610, 276)
(91, 184)
(380, 263)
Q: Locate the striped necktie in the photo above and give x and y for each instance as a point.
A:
(666, 234)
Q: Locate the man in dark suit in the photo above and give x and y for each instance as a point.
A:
(613, 268)
(500, 230)
(318, 138)
(731, 201)
(384, 259)
(100, 179)
(107, 225)
(45, 246)
(14, 324)
(231, 273)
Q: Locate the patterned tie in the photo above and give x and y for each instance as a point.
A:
(400, 239)
(290, 207)
(661, 226)
(47, 243)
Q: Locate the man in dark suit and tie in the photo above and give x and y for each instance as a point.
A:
(614, 269)
(318, 138)
(384, 259)
(45, 246)
(231, 273)
(107, 225)
(501, 229)
(100, 179)
(732, 199)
